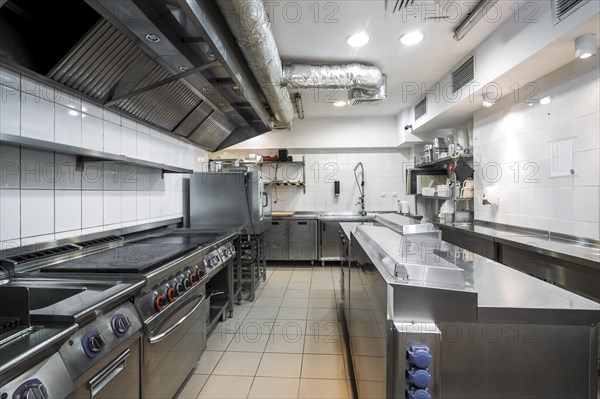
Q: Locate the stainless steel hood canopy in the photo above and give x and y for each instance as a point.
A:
(156, 61)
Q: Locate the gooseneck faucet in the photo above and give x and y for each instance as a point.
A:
(361, 187)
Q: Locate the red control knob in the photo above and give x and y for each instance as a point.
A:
(160, 302)
(172, 294)
(200, 274)
(193, 278)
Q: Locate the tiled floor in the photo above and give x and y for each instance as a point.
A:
(287, 344)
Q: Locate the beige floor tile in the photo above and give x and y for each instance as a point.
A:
(322, 286)
(276, 285)
(230, 326)
(322, 345)
(299, 286)
(280, 365)
(238, 363)
(324, 328)
(264, 302)
(274, 388)
(300, 278)
(324, 303)
(285, 344)
(254, 327)
(262, 313)
(207, 362)
(294, 293)
(291, 328)
(218, 341)
(320, 293)
(292, 313)
(248, 343)
(322, 389)
(323, 366)
(193, 386)
(319, 314)
(272, 293)
(295, 302)
(226, 387)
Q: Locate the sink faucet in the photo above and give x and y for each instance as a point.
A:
(361, 187)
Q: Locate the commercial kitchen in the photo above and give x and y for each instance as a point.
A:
(299, 199)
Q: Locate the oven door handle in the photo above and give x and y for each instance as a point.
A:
(157, 338)
(106, 375)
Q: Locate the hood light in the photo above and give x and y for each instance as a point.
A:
(411, 38)
(340, 103)
(152, 38)
(358, 39)
(545, 101)
(585, 46)
(488, 100)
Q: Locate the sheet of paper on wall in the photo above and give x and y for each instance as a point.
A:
(561, 158)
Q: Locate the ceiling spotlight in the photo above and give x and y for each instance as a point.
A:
(585, 46)
(411, 38)
(340, 103)
(489, 99)
(545, 101)
(184, 68)
(152, 38)
(73, 113)
(358, 39)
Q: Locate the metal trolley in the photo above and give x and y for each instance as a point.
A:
(251, 266)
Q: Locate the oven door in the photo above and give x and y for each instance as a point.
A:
(173, 347)
(117, 376)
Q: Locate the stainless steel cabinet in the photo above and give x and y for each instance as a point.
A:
(330, 243)
(302, 240)
(277, 240)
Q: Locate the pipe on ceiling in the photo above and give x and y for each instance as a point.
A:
(350, 76)
(250, 25)
(473, 18)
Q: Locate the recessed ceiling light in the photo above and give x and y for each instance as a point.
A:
(585, 46)
(152, 38)
(411, 38)
(488, 100)
(358, 39)
(545, 101)
(340, 103)
(184, 68)
(73, 113)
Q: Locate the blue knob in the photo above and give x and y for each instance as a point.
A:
(418, 394)
(419, 378)
(419, 357)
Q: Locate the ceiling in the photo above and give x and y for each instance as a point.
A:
(305, 35)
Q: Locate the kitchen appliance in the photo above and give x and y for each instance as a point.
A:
(427, 319)
(416, 179)
(228, 200)
(282, 155)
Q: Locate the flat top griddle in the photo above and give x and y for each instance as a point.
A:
(130, 258)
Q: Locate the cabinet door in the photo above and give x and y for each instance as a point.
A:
(276, 241)
(331, 244)
(303, 240)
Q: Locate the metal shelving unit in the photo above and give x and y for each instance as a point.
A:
(294, 183)
(445, 161)
(252, 267)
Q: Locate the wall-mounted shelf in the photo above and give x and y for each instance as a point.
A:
(445, 161)
(286, 183)
(434, 197)
(85, 155)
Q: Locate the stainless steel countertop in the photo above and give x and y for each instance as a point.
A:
(502, 293)
(573, 251)
(350, 227)
(331, 216)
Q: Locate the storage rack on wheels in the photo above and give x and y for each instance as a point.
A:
(252, 267)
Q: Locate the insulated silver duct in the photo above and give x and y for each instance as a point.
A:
(351, 76)
(249, 23)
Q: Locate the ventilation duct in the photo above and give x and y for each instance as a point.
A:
(463, 75)
(348, 77)
(249, 23)
(564, 8)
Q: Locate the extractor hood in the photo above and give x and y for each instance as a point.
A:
(153, 60)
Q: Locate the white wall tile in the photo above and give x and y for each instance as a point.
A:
(112, 176)
(143, 179)
(112, 207)
(128, 142)
(129, 178)
(156, 204)
(10, 110)
(38, 89)
(10, 214)
(37, 169)
(68, 126)
(67, 234)
(37, 117)
(67, 210)
(112, 138)
(143, 146)
(92, 109)
(92, 133)
(129, 123)
(587, 169)
(587, 132)
(69, 99)
(92, 177)
(143, 205)
(10, 166)
(37, 240)
(66, 177)
(128, 206)
(112, 117)
(92, 209)
(37, 212)
(586, 204)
